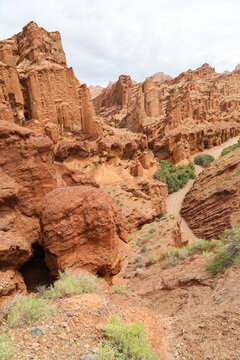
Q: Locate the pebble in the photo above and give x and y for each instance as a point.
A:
(70, 314)
(88, 357)
(38, 331)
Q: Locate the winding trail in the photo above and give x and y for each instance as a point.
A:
(174, 201)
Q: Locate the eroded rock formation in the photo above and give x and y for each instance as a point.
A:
(38, 89)
(113, 99)
(28, 173)
(212, 204)
(81, 229)
(199, 109)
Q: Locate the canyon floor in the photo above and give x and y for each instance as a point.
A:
(188, 314)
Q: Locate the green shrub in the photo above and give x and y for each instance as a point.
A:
(172, 261)
(229, 254)
(203, 159)
(220, 262)
(175, 177)
(6, 352)
(150, 261)
(29, 310)
(70, 284)
(121, 289)
(199, 246)
(230, 148)
(137, 259)
(175, 255)
(144, 248)
(125, 342)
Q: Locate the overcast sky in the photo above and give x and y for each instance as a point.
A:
(105, 38)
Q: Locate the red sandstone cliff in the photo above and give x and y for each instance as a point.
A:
(36, 84)
(198, 109)
(114, 97)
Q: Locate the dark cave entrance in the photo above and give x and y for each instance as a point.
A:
(35, 272)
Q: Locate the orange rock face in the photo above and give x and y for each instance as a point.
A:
(36, 84)
(95, 90)
(27, 174)
(212, 204)
(114, 98)
(81, 229)
(199, 109)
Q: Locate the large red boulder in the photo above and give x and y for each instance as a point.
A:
(81, 227)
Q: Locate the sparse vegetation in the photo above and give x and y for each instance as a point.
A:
(161, 215)
(29, 310)
(203, 159)
(138, 266)
(230, 148)
(123, 342)
(121, 289)
(70, 284)
(174, 256)
(150, 261)
(144, 249)
(229, 254)
(175, 177)
(138, 258)
(6, 352)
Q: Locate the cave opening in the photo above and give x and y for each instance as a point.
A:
(35, 272)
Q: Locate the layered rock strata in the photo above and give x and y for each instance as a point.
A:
(28, 174)
(212, 204)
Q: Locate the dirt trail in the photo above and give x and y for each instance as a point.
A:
(174, 201)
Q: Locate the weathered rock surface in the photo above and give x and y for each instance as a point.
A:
(197, 110)
(161, 77)
(36, 84)
(212, 204)
(81, 229)
(27, 174)
(11, 283)
(113, 99)
(95, 90)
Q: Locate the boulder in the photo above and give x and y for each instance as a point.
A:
(81, 227)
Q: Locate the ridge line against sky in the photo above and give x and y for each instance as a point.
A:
(105, 38)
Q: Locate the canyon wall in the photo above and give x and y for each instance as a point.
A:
(212, 204)
(38, 90)
(199, 109)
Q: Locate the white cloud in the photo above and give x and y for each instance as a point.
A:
(105, 38)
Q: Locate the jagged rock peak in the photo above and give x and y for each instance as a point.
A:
(161, 77)
(237, 68)
(33, 45)
(114, 95)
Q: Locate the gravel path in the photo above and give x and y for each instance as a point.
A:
(174, 201)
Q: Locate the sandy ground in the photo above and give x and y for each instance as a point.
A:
(174, 201)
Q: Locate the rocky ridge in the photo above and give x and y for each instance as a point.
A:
(199, 109)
